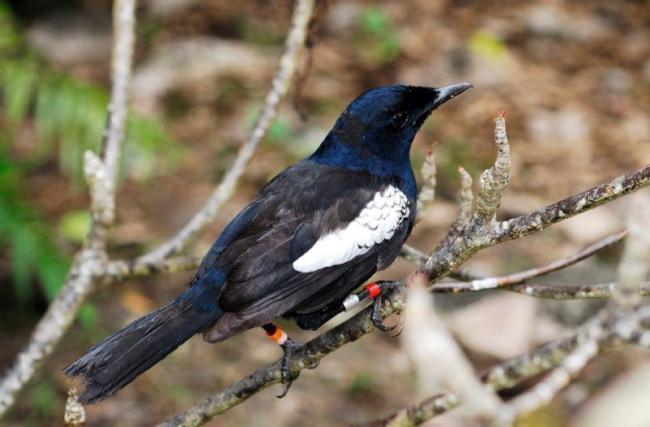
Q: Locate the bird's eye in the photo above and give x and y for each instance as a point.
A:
(399, 120)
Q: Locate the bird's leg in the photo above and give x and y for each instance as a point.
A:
(289, 347)
(374, 291)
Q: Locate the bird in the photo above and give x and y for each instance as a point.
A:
(312, 236)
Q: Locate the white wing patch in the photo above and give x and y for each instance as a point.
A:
(376, 223)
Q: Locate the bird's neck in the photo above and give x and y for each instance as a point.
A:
(333, 152)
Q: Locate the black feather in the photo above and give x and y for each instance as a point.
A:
(118, 359)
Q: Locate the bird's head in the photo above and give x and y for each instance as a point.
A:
(380, 124)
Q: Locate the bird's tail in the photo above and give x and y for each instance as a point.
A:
(119, 358)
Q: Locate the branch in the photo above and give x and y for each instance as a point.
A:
(594, 335)
(462, 247)
(416, 414)
(565, 292)
(574, 205)
(428, 190)
(567, 355)
(119, 270)
(88, 262)
(293, 47)
(523, 276)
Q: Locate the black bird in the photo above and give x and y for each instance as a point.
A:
(313, 234)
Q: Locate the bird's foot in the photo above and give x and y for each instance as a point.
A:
(289, 347)
(377, 291)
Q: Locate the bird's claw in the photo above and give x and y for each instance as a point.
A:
(376, 318)
(289, 347)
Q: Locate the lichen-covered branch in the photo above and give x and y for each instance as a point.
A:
(523, 276)
(457, 250)
(118, 270)
(295, 42)
(574, 205)
(88, 263)
(595, 333)
(428, 189)
(494, 181)
(313, 351)
(416, 414)
(567, 292)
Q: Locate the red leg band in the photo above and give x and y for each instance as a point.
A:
(373, 289)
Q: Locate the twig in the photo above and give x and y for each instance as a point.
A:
(574, 205)
(567, 292)
(541, 359)
(569, 353)
(416, 414)
(523, 276)
(494, 181)
(119, 270)
(294, 45)
(543, 392)
(428, 190)
(101, 175)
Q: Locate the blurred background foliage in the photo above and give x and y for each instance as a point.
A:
(574, 78)
(67, 118)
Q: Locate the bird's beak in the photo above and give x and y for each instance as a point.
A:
(446, 93)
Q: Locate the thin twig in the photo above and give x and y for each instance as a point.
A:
(428, 190)
(494, 181)
(280, 85)
(88, 262)
(523, 276)
(542, 393)
(118, 270)
(416, 414)
(568, 292)
(571, 206)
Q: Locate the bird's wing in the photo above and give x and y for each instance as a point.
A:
(229, 234)
(312, 225)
